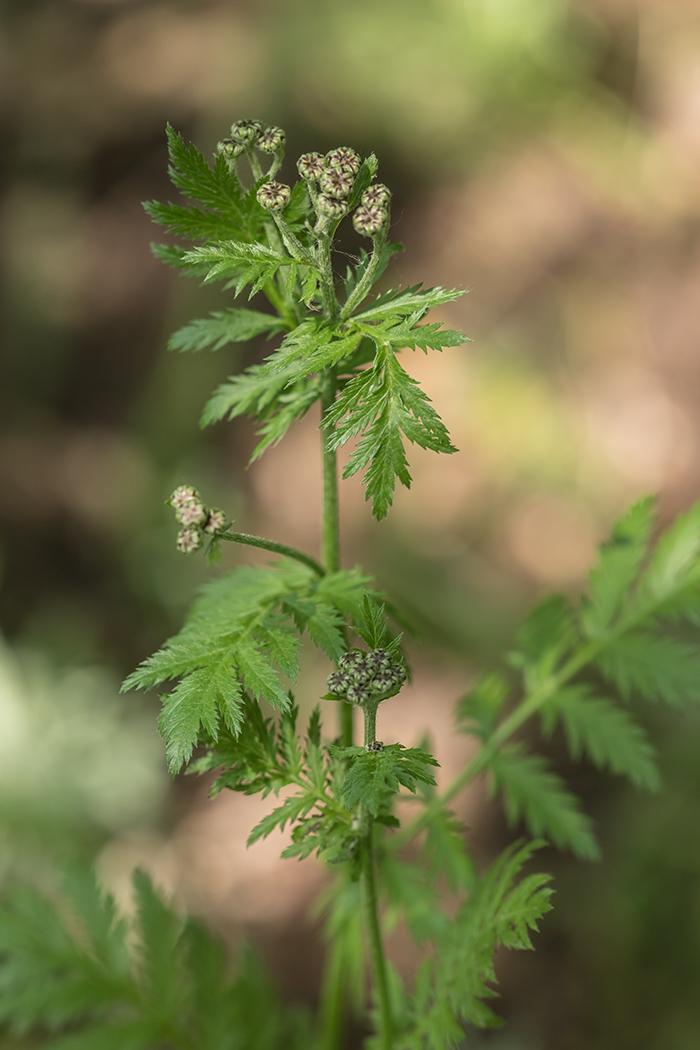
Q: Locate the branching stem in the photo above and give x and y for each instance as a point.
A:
(271, 545)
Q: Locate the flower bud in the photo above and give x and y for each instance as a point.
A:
(330, 207)
(215, 521)
(230, 149)
(369, 220)
(274, 196)
(378, 660)
(376, 745)
(271, 140)
(335, 183)
(189, 540)
(357, 694)
(182, 495)
(311, 166)
(338, 683)
(382, 683)
(193, 512)
(380, 195)
(344, 159)
(352, 661)
(246, 131)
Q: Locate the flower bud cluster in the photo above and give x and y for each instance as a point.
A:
(365, 676)
(196, 519)
(248, 133)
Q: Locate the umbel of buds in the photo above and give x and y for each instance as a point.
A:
(363, 677)
(274, 196)
(195, 518)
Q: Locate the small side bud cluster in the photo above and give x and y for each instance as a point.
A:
(195, 518)
(274, 196)
(366, 676)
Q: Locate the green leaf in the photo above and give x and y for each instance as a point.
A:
(548, 633)
(325, 626)
(195, 704)
(397, 303)
(675, 558)
(656, 668)
(606, 733)
(478, 711)
(374, 777)
(192, 222)
(291, 810)
(253, 264)
(381, 403)
(619, 564)
(222, 327)
(533, 792)
(215, 188)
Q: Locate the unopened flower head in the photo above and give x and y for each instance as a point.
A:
(352, 660)
(336, 183)
(182, 495)
(246, 131)
(189, 540)
(338, 683)
(274, 195)
(230, 149)
(344, 159)
(330, 207)
(215, 521)
(357, 694)
(271, 140)
(311, 166)
(369, 219)
(191, 513)
(379, 195)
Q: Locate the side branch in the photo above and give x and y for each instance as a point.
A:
(271, 545)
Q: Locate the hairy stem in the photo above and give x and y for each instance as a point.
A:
(367, 280)
(330, 526)
(271, 545)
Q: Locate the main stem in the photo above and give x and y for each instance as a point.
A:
(330, 528)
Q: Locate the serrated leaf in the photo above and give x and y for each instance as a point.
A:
(619, 563)
(325, 626)
(656, 668)
(397, 303)
(605, 732)
(533, 792)
(375, 776)
(381, 404)
(222, 327)
(253, 264)
(676, 555)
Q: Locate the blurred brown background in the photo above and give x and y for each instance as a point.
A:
(545, 155)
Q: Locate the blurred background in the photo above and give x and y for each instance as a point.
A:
(544, 155)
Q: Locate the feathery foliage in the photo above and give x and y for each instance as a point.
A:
(71, 970)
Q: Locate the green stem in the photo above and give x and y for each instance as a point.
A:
(376, 947)
(270, 545)
(367, 280)
(332, 1009)
(330, 526)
